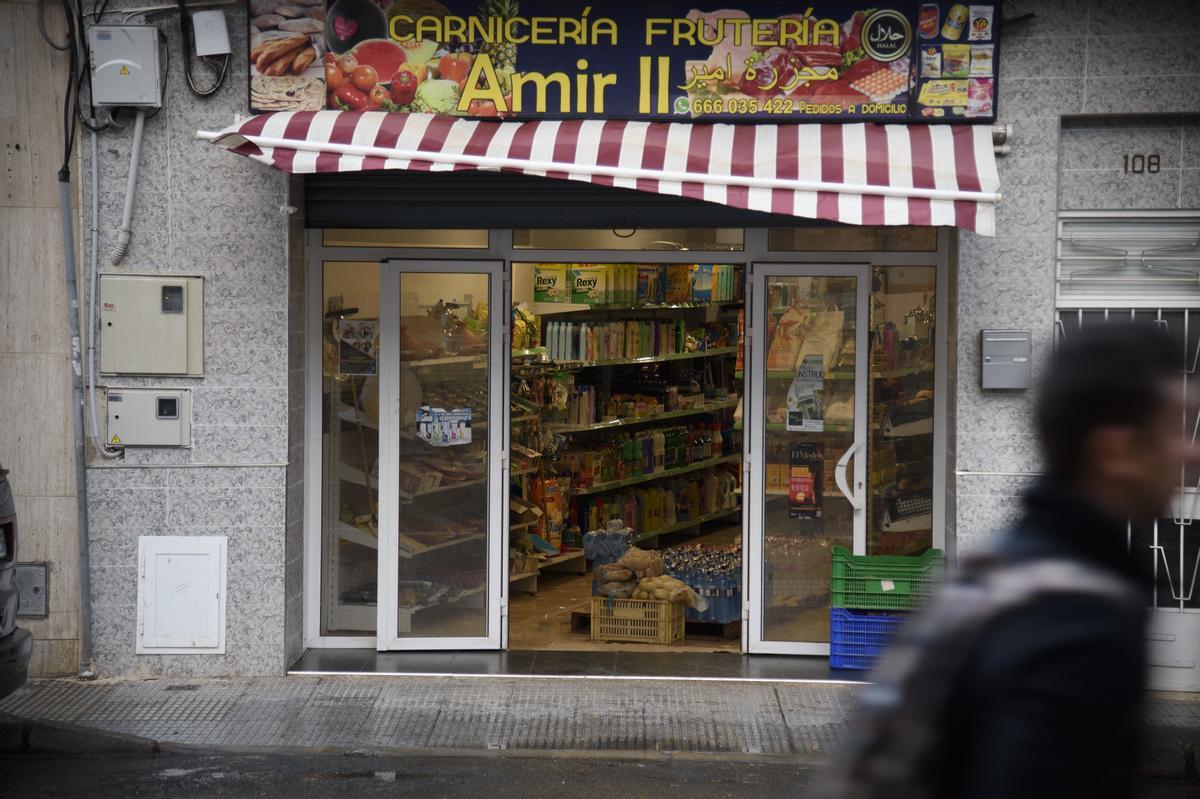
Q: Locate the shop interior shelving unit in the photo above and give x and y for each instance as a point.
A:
(602, 372)
(352, 547)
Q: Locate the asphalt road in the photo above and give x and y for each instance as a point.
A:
(57, 763)
(300, 776)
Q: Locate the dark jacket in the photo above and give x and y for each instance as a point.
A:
(1050, 702)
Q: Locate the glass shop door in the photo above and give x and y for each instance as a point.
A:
(805, 443)
(442, 459)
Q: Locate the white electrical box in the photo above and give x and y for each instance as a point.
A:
(151, 325)
(125, 68)
(149, 417)
(181, 594)
(209, 33)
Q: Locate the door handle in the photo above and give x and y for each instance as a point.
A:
(839, 477)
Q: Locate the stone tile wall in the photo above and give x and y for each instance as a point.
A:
(294, 517)
(202, 211)
(1074, 57)
(36, 426)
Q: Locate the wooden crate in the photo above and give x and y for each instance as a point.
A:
(647, 621)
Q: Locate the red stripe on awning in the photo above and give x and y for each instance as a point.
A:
(325, 141)
(877, 174)
(832, 170)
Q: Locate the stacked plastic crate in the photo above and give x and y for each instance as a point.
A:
(870, 597)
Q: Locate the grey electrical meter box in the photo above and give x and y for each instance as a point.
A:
(149, 417)
(1006, 357)
(151, 325)
(125, 68)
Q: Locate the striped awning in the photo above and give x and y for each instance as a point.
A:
(859, 174)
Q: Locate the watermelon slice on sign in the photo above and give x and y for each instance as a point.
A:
(385, 55)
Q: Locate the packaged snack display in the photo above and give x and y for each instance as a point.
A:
(956, 60)
(981, 23)
(981, 60)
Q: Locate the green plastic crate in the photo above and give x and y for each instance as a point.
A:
(883, 582)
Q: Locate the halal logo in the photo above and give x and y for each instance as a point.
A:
(886, 35)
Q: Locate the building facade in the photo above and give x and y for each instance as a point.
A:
(1085, 87)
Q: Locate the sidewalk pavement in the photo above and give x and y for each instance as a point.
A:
(795, 721)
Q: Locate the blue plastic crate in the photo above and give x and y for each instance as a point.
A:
(858, 638)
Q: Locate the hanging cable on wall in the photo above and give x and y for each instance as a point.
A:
(219, 68)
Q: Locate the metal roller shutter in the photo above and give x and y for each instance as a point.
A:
(403, 199)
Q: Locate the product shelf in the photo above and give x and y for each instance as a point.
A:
(562, 557)
(355, 535)
(884, 374)
(673, 356)
(784, 374)
(684, 525)
(904, 371)
(516, 578)
(600, 488)
(352, 475)
(355, 416)
(407, 497)
(457, 598)
(550, 309)
(410, 547)
(778, 427)
(447, 360)
(636, 420)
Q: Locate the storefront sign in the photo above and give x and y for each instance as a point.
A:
(761, 61)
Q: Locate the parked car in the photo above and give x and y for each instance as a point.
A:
(16, 644)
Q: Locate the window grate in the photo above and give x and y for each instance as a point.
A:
(1171, 545)
(1135, 259)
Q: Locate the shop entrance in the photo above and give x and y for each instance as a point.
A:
(503, 420)
(441, 455)
(806, 436)
(626, 389)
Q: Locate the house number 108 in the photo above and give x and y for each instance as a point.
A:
(1140, 164)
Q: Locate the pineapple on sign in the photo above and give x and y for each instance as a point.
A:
(502, 54)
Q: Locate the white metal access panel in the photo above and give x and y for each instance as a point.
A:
(442, 458)
(805, 447)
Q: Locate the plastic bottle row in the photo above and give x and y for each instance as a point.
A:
(646, 452)
(607, 341)
(656, 506)
(712, 572)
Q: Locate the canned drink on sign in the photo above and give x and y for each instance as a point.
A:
(956, 21)
(928, 21)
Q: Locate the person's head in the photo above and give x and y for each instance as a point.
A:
(1110, 416)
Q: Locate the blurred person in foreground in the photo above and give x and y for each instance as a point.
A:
(1024, 677)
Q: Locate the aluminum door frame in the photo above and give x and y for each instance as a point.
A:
(753, 443)
(387, 638)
